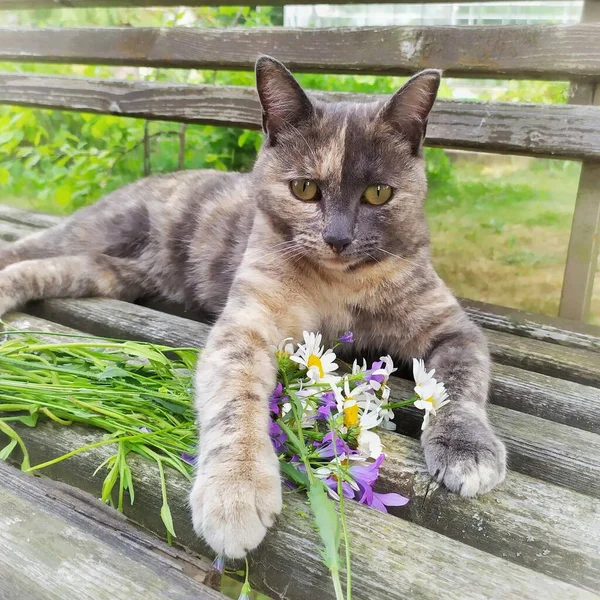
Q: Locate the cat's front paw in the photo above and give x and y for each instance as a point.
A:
(233, 504)
(464, 455)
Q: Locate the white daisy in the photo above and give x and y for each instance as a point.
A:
(319, 363)
(433, 396)
(420, 374)
(369, 444)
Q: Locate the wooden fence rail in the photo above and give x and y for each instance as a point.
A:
(531, 129)
(545, 52)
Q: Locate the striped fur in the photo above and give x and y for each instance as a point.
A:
(242, 247)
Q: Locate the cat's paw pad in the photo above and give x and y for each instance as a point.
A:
(468, 461)
(233, 508)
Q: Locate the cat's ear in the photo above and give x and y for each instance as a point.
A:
(408, 109)
(283, 101)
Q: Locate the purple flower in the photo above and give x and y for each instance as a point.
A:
(278, 436)
(332, 483)
(327, 402)
(219, 563)
(275, 399)
(190, 459)
(382, 501)
(347, 338)
(379, 377)
(366, 475)
(327, 449)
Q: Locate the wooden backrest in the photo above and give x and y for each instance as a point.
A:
(545, 52)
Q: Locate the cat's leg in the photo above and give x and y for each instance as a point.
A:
(69, 277)
(237, 491)
(461, 450)
(41, 244)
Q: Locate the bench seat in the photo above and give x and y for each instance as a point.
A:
(536, 536)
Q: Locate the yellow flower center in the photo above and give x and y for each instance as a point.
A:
(430, 399)
(351, 415)
(315, 361)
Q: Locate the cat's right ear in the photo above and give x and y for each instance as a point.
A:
(284, 103)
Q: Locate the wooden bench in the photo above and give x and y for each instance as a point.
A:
(537, 535)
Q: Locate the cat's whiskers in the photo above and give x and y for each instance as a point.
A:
(279, 254)
(405, 260)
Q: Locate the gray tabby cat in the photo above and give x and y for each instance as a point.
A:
(326, 233)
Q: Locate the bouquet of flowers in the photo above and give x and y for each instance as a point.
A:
(323, 429)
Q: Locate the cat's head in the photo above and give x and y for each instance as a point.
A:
(344, 182)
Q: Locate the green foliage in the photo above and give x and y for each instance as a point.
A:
(60, 161)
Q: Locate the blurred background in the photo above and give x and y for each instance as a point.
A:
(500, 224)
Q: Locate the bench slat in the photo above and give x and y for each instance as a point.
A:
(547, 329)
(409, 561)
(545, 51)
(524, 520)
(48, 530)
(538, 130)
(562, 455)
(556, 453)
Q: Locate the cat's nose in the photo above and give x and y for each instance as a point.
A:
(336, 242)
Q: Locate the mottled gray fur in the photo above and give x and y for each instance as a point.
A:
(242, 246)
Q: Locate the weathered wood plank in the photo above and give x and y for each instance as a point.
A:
(59, 543)
(540, 327)
(546, 397)
(119, 319)
(20, 216)
(388, 553)
(561, 455)
(545, 51)
(538, 130)
(524, 519)
(572, 364)
(29, 4)
(556, 453)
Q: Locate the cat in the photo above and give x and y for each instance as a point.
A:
(328, 233)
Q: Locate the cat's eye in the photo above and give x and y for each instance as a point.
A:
(377, 194)
(304, 189)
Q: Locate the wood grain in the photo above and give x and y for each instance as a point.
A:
(551, 451)
(389, 554)
(58, 543)
(524, 520)
(545, 51)
(564, 332)
(531, 129)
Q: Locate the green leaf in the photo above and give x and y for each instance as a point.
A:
(293, 473)
(29, 420)
(177, 409)
(327, 523)
(167, 519)
(63, 195)
(7, 450)
(13, 435)
(4, 176)
(110, 480)
(112, 371)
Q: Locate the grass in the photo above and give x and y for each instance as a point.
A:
(500, 231)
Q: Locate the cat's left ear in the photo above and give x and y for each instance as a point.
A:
(284, 103)
(408, 109)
